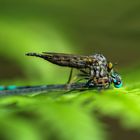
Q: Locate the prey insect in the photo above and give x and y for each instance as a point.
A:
(19, 90)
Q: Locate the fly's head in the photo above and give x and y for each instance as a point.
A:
(116, 79)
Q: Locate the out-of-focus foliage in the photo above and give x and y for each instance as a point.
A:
(84, 27)
(80, 27)
(20, 37)
(45, 118)
(65, 116)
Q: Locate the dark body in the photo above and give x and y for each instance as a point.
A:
(70, 60)
(94, 68)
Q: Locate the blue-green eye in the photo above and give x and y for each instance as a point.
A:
(116, 79)
(118, 85)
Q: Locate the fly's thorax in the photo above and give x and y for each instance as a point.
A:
(99, 71)
(99, 66)
(100, 59)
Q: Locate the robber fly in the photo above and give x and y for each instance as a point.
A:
(94, 69)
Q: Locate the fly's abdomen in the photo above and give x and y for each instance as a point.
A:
(68, 60)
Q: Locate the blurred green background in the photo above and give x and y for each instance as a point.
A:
(77, 26)
(80, 27)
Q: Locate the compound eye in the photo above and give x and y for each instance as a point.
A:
(116, 80)
(118, 84)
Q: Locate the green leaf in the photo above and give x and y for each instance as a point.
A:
(49, 119)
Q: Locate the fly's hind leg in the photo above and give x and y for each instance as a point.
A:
(79, 77)
(70, 76)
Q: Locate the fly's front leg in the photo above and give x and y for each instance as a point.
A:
(90, 83)
(104, 83)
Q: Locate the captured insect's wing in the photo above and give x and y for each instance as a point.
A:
(68, 60)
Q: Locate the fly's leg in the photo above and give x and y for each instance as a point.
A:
(72, 80)
(90, 83)
(84, 71)
(104, 85)
(70, 76)
(84, 75)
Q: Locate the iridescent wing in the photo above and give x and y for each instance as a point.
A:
(67, 60)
